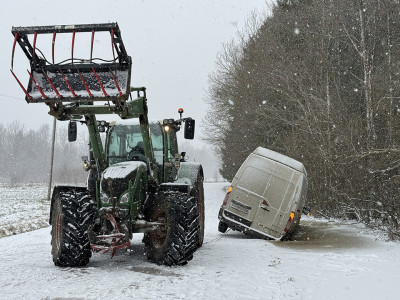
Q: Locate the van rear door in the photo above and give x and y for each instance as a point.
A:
(280, 194)
(247, 193)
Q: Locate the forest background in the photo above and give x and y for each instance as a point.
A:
(318, 80)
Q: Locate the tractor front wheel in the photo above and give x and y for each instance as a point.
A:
(72, 213)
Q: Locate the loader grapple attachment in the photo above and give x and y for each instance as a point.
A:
(73, 79)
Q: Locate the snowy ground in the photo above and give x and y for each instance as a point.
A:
(328, 260)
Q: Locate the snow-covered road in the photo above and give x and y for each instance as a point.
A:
(328, 260)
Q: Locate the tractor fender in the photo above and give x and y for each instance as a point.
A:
(62, 188)
(189, 173)
(188, 176)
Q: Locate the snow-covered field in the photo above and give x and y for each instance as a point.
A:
(23, 208)
(328, 260)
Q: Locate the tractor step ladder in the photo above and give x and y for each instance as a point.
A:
(74, 80)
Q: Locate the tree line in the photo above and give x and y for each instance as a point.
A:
(25, 155)
(317, 80)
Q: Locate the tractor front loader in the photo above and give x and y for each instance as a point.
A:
(138, 181)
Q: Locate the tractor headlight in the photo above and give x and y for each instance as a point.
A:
(124, 198)
(104, 198)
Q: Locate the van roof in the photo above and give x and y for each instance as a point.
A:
(283, 159)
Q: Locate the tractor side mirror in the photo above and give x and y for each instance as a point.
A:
(72, 131)
(189, 129)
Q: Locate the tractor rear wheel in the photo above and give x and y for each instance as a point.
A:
(199, 194)
(175, 241)
(72, 213)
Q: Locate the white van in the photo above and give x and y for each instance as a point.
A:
(266, 197)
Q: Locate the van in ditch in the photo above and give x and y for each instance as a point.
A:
(266, 197)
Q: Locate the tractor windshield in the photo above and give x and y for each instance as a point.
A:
(127, 140)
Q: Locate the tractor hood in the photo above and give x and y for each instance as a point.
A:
(115, 179)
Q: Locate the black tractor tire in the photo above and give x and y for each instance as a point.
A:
(73, 211)
(174, 243)
(222, 227)
(199, 195)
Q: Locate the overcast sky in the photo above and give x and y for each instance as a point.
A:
(173, 45)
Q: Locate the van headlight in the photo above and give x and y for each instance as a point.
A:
(104, 198)
(124, 198)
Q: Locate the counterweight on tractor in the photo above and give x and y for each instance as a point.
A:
(138, 181)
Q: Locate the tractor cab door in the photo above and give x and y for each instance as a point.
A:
(157, 139)
(170, 146)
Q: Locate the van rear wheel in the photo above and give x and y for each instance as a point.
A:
(222, 227)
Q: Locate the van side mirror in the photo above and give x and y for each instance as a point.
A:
(306, 209)
(72, 131)
(189, 129)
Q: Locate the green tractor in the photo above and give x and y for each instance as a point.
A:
(138, 181)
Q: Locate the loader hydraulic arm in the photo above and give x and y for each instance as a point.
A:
(126, 110)
(95, 141)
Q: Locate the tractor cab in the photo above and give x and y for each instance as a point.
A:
(125, 142)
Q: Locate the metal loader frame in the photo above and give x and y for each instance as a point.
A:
(76, 80)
